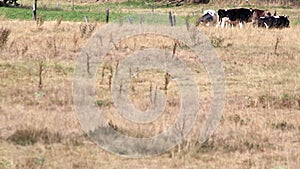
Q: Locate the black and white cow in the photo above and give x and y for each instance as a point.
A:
(208, 18)
(234, 16)
(274, 22)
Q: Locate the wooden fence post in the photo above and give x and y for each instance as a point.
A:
(172, 18)
(107, 15)
(129, 20)
(72, 5)
(86, 19)
(34, 8)
(142, 20)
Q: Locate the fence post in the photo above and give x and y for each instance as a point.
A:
(86, 19)
(107, 15)
(72, 5)
(172, 18)
(187, 22)
(142, 20)
(34, 8)
(129, 20)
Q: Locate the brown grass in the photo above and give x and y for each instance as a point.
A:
(259, 129)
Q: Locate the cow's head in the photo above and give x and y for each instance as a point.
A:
(206, 18)
(222, 13)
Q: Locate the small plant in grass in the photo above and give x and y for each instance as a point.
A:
(41, 67)
(110, 77)
(102, 73)
(58, 22)
(31, 136)
(75, 41)
(174, 48)
(276, 45)
(216, 42)
(271, 101)
(283, 125)
(103, 103)
(51, 44)
(4, 34)
(83, 29)
(187, 22)
(34, 162)
(86, 29)
(280, 167)
(5, 163)
(167, 81)
(238, 120)
(120, 20)
(40, 21)
(20, 46)
(287, 100)
(92, 27)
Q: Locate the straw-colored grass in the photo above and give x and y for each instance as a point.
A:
(259, 129)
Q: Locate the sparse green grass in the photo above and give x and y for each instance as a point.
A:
(297, 22)
(78, 16)
(51, 15)
(96, 12)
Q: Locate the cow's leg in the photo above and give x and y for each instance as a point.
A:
(254, 24)
(223, 23)
(267, 27)
(241, 24)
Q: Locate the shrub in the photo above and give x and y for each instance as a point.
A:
(31, 136)
(216, 42)
(4, 33)
(86, 29)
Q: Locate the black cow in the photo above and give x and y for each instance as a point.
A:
(274, 22)
(240, 15)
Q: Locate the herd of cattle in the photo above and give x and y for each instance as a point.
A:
(233, 17)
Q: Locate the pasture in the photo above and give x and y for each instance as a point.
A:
(260, 127)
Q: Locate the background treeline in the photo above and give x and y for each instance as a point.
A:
(253, 2)
(220, 2)
(278, 2)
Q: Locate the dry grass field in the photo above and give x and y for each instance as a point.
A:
(260, 127)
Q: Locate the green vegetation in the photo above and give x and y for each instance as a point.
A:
(26, 14)
(296, 22)
(52, 15)
(103, 103)
(116, 5)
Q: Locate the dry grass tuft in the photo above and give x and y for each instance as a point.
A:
(4, 34)
(259, 129)
(31, 136)
(86, 29)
